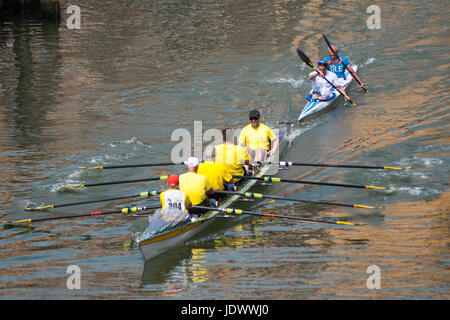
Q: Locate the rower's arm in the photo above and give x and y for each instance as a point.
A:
(248, 163)
(312, 76)
(242, 138)
(353, 73)
(344, 93)
(187, 201)
(276, 143)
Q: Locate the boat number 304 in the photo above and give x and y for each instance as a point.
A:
(176, 205)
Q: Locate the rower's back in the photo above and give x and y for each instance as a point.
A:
(174, 198)
(232, 156)
(195, 186)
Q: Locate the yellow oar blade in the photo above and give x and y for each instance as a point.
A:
(346, 223)
(72, 187)
(92, 168)
(379, 188)
(397, 168)
(363, 206)
(50, 206)
(351, 224)
(17, 221)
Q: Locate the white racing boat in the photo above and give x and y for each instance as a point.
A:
(161, 241)
(315, 106)
(157, 240)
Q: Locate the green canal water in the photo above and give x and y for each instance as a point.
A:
(114, 91)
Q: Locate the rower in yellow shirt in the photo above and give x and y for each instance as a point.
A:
(217, 174)
(257, 138)
(195, 186)
(233, 157)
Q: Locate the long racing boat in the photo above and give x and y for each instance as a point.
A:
(152, 243)
(317, 105)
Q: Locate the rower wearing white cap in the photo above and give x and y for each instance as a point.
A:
(195, 186)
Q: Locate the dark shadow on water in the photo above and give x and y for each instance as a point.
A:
(34, 46)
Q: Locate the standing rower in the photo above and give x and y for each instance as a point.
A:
(232, 156)
(195, 186)
(337, 64)
(258, 138)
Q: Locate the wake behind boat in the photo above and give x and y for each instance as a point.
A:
(317, 105)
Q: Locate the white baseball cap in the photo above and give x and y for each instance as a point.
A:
(192, 162)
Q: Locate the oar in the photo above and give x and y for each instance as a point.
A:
(271, 215)
(289, 164)
(253, 195)
(115, 182)
(130, 166)
(309, 63)
(335, 53)
(145, 194)
(287, 122)
(94, 213)
(275, 179)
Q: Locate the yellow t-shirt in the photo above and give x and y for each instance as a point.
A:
(256, 138)
(216, 173)
(194, 186)
(176, 198)
(233, 157)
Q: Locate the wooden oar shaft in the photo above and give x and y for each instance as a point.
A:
(259, 195)
(271, 215)
(93, 213)
(116, 182)
(334, 165)
(130, 166)
(350, 166)
(287, 122)
(275, 179)
(122, 182)
(53, 206)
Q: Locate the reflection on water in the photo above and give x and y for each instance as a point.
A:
(303, 260)
(114, 91)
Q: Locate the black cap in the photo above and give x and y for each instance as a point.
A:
(254, 114)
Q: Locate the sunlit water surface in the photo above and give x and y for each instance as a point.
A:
(115, 90)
